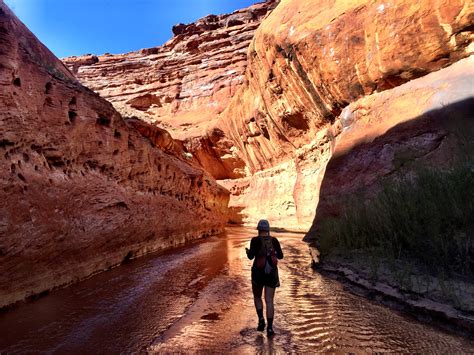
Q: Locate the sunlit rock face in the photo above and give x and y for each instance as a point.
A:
(425, 123)
(308, 65)
(285, 91)
(183, 85)
(81, 188)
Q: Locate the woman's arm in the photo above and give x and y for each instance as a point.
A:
(276, 245)
(251, 253)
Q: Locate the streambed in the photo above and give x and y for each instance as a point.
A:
(198, 298)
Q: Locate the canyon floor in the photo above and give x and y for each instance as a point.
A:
(198, 298)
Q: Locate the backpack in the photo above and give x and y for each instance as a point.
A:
(267, 260)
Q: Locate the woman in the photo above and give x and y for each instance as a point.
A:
(266, 250)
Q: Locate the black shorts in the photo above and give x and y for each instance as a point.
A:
(259, 278)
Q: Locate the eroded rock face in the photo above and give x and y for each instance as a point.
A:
(308, 61)
(308, 64)
(427, 122)
(183, 85)
(82, 189)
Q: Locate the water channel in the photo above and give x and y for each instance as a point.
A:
(198, 298)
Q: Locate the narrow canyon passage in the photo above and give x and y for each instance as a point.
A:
(198, 297)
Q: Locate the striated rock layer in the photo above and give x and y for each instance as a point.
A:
(81, 189)
(184, 84)
(311, 65)
(312, 70)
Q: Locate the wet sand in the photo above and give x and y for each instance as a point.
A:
(197, 298)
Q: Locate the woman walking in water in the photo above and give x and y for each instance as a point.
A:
(266, 250)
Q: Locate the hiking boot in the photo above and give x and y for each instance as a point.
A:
(261, 325)
(270, 332)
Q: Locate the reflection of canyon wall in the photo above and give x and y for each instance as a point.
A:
(81, 189)
(313, 70)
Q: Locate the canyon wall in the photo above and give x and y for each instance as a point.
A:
(183, 85)
(425, 123)
(82, 189)
(318, 75)
(326, 76)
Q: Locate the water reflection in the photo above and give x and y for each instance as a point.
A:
(198, 298)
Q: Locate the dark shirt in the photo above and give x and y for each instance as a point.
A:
(256, 246)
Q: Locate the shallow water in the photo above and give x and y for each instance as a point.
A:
(198, 298)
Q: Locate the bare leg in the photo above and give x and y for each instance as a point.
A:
(258, 303)
(257, 299)
(269, 295)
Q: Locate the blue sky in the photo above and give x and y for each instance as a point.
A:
(75, 27)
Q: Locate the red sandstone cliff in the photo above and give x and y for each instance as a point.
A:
(183, 85)
(323, 75)
(82, 189)
(313, 70)
(321, 103)
(392, 134)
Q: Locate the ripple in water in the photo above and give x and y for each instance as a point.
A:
(198, 299)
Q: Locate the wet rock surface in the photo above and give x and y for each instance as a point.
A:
(209, 308)
(82, 190)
